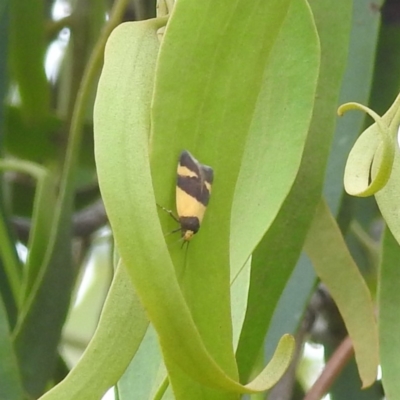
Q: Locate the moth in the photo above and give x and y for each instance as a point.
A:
(193, 189)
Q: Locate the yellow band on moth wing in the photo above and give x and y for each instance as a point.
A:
(188, 206)
(184, 171)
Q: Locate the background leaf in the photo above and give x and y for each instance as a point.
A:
(11, 387)
(388, 297)
(119, 333)
(337, 270)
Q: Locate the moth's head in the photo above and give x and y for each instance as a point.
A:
(187, 235)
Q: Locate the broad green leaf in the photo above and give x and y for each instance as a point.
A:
(121, 138)
(278, 132)
(11, 384)
(120, 331)
(388, 319)
(336, 269)
(276, 255)
(213, 75)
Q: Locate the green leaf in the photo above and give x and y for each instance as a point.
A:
(41, 224)
(387, 198)
(388, 300)
(27, 50)
(121, 138)
(45, 196)
(370, 161)
(39, 326)
(280, 248)
(22, 136)
(145, 372)
(11, 269)
(356, 86)
(387, 63)
(11, 385)
(213, 123)
(278, 132)
(119, 333)
(42, 313)
(335, 267)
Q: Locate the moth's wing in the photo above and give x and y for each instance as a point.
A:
(193, 186)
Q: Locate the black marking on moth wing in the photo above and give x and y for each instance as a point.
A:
(195, 186)
(190, 224)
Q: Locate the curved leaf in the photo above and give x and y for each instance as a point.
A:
(337, 270)
(119, 333)
(370, 161)
(121, 135)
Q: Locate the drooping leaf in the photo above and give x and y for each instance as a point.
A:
(337, 270)
(119, 333)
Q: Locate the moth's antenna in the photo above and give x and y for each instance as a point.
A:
(170, 213)
(185, 260)
(174, 231)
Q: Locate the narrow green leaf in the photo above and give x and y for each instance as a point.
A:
(39, 326)
(239, 293)
(11, 385)
(11, 265)
(389, 321)
(386, 80)
(335, 267)
(39, 233)
(27, 49)
(119, 333)
(4, 65)
(43, 310)
(41, 224)
(356, 86)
